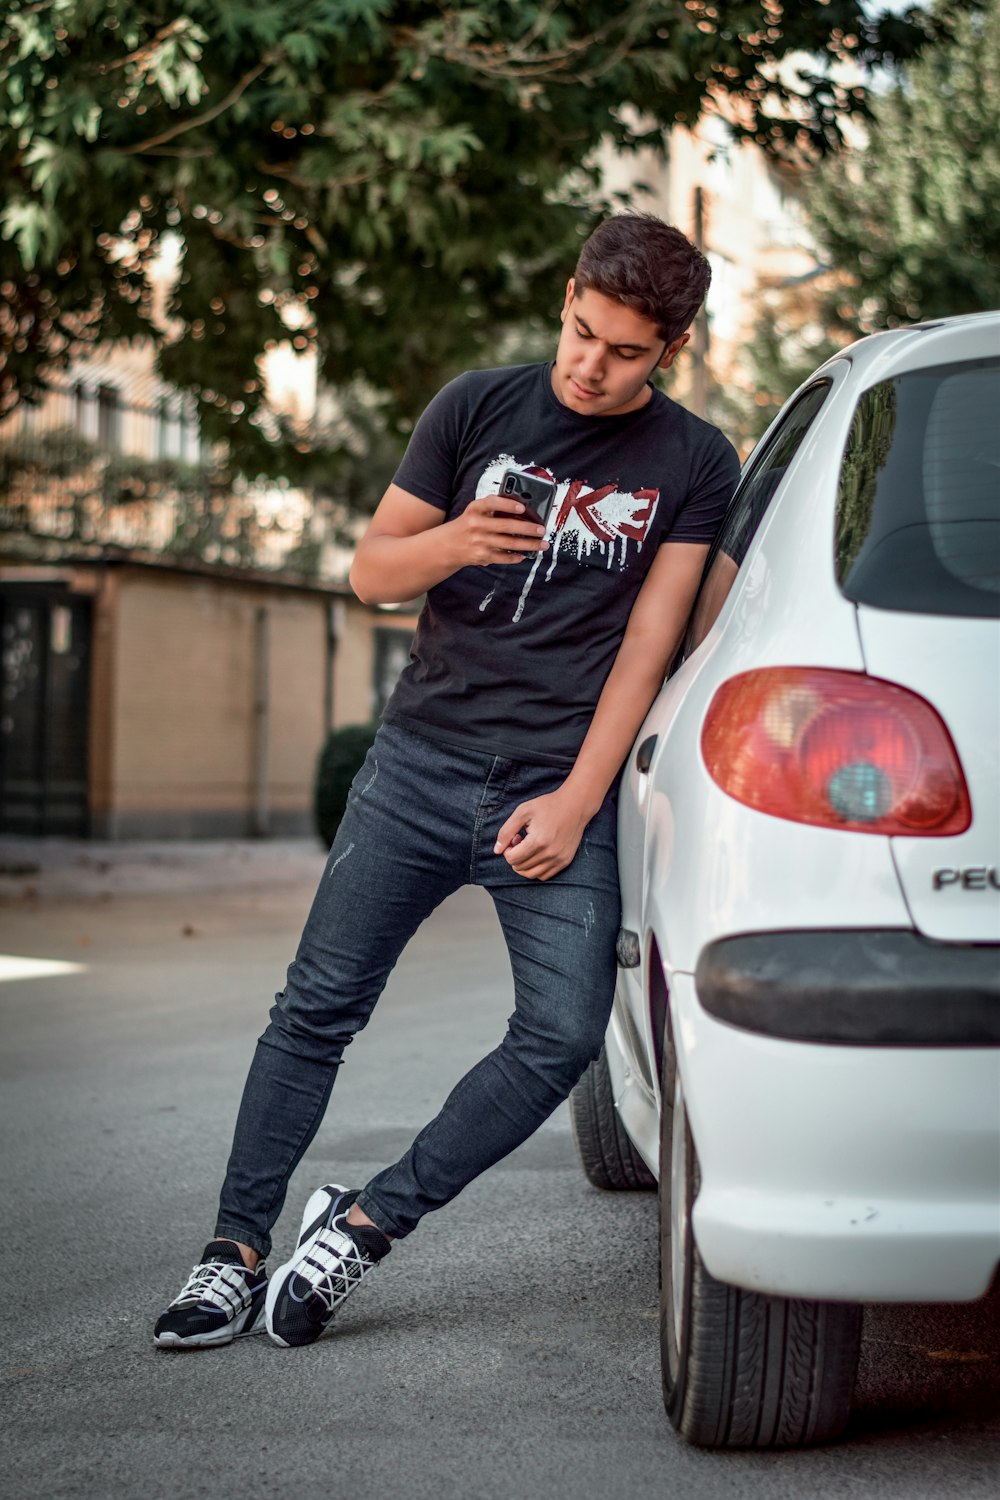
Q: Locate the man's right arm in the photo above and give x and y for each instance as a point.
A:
(409, 546)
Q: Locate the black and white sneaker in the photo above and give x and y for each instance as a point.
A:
(221, 1300)
(332, 1258)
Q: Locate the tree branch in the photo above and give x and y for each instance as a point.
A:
(210, 114)
(519, 62)
(287, 174)
(143, 52)
(183, 154)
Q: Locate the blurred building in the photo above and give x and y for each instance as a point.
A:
(745, 211)
(174, 648)
(159, 700)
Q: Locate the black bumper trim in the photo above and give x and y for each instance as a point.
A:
(857, 988)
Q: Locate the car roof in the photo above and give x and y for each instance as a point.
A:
(945, 340)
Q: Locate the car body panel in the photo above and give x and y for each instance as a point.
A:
(948, 661)
(634, 1088)
(738, 880)
(827, 1171)
(873, 1175)
(948, 341)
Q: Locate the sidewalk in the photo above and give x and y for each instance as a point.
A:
(58, 869)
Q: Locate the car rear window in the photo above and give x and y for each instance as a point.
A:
(918, 514)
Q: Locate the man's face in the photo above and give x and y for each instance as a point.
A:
(606, 355)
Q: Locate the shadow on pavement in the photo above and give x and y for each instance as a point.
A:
(922, 1366)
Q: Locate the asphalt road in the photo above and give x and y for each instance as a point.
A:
(507, 1349)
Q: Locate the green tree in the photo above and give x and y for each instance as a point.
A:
(389, 182)
(795, 332)
(914, 218)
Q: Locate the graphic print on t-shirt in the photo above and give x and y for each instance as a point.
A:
(600, 526)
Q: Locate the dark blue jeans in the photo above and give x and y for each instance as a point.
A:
(421, 821)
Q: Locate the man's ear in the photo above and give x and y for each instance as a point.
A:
(671, 352)
(568, 301)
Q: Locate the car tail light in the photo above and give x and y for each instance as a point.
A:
(837, 749)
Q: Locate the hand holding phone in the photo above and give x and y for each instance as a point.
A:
(535, 493)
(493, 529)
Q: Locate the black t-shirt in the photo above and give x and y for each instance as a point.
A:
(512, 658)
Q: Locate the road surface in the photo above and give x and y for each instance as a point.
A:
(506, 1351)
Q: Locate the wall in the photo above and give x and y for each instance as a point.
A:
(188, 736)
(185, 746)
(352, 691)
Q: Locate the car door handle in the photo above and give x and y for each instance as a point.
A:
(644, 754)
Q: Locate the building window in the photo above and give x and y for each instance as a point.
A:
(190, 433)
(177, 430)
(109, 417)
(162, 429)
(83, 400)
(168, 429)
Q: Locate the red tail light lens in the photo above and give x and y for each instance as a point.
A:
(837, 749)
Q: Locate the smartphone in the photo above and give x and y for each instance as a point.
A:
(536, 494)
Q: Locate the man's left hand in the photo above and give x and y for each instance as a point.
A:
(541, 837)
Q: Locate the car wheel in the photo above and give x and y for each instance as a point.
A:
(606, 1154)
(740, 1369)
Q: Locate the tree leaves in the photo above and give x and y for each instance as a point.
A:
(31, 226)
(915, 220)
(390, 185)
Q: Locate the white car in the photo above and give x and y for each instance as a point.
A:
(805, 1042)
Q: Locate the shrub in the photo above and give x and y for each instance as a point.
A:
(340, 760)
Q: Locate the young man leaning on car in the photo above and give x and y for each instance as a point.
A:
(537, 655)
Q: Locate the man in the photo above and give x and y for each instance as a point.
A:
(537, 656)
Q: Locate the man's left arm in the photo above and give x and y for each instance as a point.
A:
(554, 824)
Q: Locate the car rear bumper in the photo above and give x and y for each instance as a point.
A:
(861, 1173)
(854, 988)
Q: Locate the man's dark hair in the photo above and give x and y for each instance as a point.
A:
(650, 267)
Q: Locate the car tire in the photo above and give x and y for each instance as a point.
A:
(608, 1157)
(740, 1369)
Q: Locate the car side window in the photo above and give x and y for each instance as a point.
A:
(747, 510)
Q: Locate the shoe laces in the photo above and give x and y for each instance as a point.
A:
(215, 1283)
(333, 1267)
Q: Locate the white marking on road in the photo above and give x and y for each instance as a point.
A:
(14, 966)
